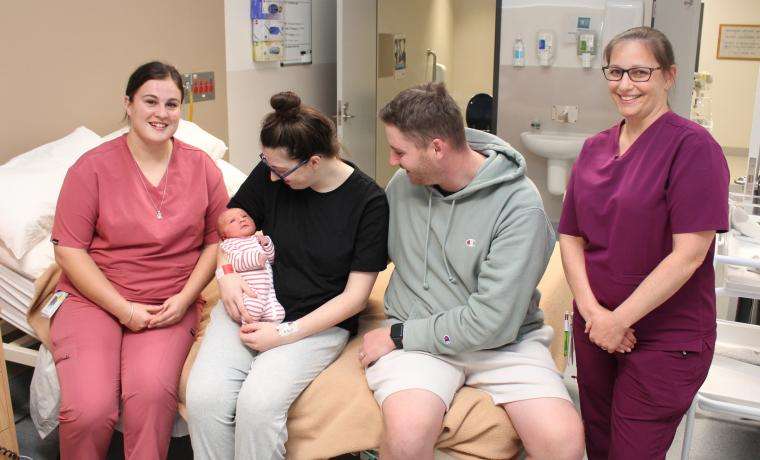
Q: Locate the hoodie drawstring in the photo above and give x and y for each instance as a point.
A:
(445, 238)
(425, 284)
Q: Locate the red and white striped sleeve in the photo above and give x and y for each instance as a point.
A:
(243, 253)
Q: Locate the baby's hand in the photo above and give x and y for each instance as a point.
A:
(262, 238)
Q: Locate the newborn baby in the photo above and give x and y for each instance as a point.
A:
(251, 256)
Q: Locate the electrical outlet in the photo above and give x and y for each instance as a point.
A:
(201, 86)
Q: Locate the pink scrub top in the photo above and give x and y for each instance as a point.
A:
(104, 208)
(673, 179)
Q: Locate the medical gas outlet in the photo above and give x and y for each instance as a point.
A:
(201, 85)
(545, 43)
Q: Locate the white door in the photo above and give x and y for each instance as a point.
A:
(679, 21)
(357, 81)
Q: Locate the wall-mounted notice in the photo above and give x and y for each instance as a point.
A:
(267, 23)
(739, 41)
(297, 32)
(281, 31)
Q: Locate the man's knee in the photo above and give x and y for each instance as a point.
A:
(412, 421)
(561, 441)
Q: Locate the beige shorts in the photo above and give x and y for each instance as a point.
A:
(515, 372)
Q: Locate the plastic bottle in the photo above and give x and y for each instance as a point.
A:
(518, 52)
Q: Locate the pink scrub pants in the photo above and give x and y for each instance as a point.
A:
(632, 403)
(103, 368)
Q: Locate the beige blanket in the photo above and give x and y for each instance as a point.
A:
(337, 414)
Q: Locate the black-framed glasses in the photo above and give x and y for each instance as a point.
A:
(637, 74)
(285, 174)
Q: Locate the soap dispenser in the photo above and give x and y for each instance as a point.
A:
(586, 47)
(545, 47)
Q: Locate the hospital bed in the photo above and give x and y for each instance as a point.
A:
(731, 387)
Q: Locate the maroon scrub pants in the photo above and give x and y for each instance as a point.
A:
(632, 403)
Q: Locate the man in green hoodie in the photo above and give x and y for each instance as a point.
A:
(470, 241)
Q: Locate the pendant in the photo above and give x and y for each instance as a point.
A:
(159, 215)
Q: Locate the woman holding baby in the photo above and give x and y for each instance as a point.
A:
(329, 224)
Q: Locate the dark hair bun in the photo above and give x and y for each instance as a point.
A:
(287, 104)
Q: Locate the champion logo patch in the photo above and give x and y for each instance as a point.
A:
(469, 242)
(446, 340)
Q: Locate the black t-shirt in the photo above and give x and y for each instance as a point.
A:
(319, 238)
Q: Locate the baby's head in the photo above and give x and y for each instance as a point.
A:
(235, 223)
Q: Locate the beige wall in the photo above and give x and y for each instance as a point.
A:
(66, 64)
(735, 81)
(250, 85)
(471, 70)
(414, 19)
(452, 29)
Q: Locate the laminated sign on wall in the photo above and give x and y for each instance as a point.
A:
(281, 31)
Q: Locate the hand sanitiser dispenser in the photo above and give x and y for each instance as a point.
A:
(586, 48)
(545, 47)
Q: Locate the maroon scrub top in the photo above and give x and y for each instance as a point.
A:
(104, 207)
(673, 179)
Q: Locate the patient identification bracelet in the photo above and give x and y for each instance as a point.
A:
(284, 329)
(225, 269)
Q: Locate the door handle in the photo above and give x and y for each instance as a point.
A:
(346, 114)
(343, 112)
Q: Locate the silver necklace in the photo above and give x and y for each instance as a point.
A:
(159, 216)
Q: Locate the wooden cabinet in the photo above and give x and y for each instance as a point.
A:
(8, 438)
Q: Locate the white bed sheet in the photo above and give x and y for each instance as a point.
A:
(16, 292)
(742, 278)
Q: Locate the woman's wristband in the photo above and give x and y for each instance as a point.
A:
(131, 314)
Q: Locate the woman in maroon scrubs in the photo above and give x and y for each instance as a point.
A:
(642, 207)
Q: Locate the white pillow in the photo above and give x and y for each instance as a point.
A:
(233, 177)
(29, 187)
(189, 133)
(34, 262)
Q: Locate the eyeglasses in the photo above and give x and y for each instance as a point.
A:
(637, 74)
(285, 174)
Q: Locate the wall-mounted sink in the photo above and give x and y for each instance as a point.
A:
(559, 149)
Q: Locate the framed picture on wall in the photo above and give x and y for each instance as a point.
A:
(399, 55)
(739, 41)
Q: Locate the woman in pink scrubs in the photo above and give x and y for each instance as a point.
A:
(135, 235)
(644, 202)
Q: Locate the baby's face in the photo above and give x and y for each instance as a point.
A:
(236, 223)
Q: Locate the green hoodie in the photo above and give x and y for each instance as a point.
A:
(467, 264)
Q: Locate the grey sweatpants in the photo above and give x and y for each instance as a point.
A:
(238, 399)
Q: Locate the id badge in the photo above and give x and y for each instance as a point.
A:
(55, 302)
